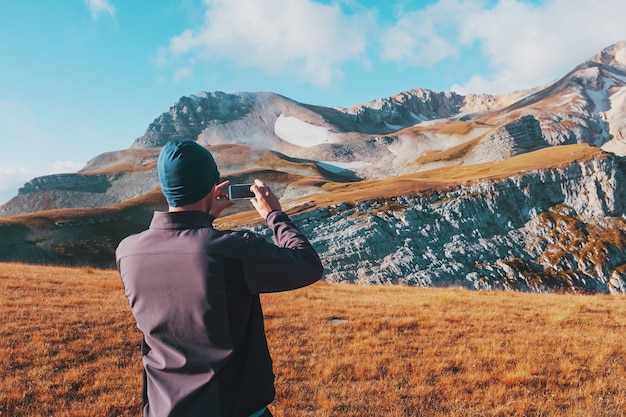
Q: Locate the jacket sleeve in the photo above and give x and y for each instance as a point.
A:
(289, 264)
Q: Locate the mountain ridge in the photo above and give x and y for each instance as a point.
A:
(220, 118)
(352, 176)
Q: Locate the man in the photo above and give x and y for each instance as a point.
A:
(194, 292)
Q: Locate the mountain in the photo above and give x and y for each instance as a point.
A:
(520, 191)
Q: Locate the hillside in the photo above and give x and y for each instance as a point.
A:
(520, 191)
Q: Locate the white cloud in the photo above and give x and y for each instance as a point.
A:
(525, 45)
(428, 36)
(282, 37)
(98, 7)
(182, 73)
(64, 167)
(13, 177)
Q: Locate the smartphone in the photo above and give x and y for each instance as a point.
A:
(240, 192)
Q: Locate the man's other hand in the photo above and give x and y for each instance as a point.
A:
(264, 200)
(220, 199)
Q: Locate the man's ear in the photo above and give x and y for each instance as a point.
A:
(208, 199)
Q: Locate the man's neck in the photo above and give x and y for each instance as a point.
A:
(197, 206)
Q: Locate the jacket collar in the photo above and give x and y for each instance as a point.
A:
(181, 220)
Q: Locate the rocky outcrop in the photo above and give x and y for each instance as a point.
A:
(405, 109)
(561, 229)
(526, 135)
(191, 115)
(52, 192)
(522, 136)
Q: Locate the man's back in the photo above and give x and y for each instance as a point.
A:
(187, 289)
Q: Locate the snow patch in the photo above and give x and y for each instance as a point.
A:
(619, 77)
(337, 167)
(300, 133)
(420, 118)
(599, 99)
(393, 127)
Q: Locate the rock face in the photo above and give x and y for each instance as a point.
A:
(548, 230)
(79, 191)
(516, 138)
(191, 115)
(405, 109)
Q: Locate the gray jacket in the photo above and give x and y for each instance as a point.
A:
(193, 291)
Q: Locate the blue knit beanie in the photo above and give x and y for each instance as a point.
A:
(187, 172)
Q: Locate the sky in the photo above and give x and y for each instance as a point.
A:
(82, 77)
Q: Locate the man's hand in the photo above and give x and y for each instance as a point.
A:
(220, 200)
(264, 201)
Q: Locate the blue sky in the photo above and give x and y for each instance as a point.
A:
(83, 77)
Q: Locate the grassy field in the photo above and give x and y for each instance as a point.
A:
(69, 347)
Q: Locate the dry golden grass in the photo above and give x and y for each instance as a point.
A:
(69, 348)
(451, 154)
(451, 127)
(68, 345)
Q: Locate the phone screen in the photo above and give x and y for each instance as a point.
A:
(240, 192)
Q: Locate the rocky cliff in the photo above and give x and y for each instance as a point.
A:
(560, 229)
